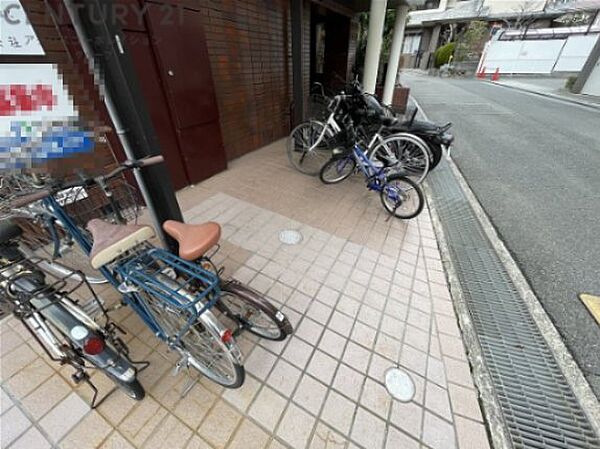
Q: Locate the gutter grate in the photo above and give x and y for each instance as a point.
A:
(539, 407)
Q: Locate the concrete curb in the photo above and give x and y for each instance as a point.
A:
(583, 103)
(566, 362)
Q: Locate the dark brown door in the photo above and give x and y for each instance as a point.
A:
(184, 66)
(140, 50)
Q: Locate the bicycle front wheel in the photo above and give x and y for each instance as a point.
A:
(308, 148)
(207, 344)
(402, 197)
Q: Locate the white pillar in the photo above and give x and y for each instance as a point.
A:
(397, 41)
(374, 38)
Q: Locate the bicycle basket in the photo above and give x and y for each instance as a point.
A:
(83, 204)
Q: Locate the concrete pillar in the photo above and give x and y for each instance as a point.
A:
(374, 39)
(395, 51)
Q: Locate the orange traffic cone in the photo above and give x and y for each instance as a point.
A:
(481, 74)
(496, 75)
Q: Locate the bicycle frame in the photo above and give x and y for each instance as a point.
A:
(375, 176)
(131, 298)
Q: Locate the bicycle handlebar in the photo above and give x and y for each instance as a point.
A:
(24, 200)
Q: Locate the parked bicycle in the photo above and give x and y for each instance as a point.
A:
(179, 297)
(70, 331)
(412, 147)
(400, 196)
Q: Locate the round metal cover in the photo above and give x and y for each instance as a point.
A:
(290, 237)
(399, 384)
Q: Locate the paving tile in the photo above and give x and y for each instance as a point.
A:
(219, 424)
(5, 402)
(195, 405)
(326, 438)
(309, 330)
(361, 277)
(171, 434)
(437, 400)
(142, 421)
(319, 312)
(284, 377)
(453, 347)
(407, 416)
(419, 319)
(90, 432)
(242, 397)
(398, 440)
(328, 295)
(471, 434)
(322, 366)
(249, 436)
(464, 402)
(414, 359)
(299, 302)
(260, 362)
(348, 305)
(458, 372)
(356, 356)
(296, 426)
(417, 338)
(116, 441)
(436, 372)
(29, 378)
(341, 323)
(62, 418)
(308, 287)
(438, 433)
(355, 290)
(268, 407)
(297, 352)
(310, 394)
(338, 412)
(332, 343)
(387, 346)
(378, 366)
(348, 381)
(194, 443)
(12, 425)
(32, 439)
(369, 316)
(392, 327)
(368, 430)
(16, 360)
(375, 398)
(363, 335)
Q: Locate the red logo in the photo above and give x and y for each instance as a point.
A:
(20, 98)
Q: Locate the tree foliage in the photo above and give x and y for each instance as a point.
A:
(470, 42)
(442, 54)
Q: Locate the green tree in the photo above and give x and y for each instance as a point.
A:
(470, 42)
(442, 54)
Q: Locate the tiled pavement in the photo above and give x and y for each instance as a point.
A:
(364, 294)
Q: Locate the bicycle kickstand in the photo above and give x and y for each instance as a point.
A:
(183, 363)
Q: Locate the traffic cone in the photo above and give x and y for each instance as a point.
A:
(481, 74)
(496, 75)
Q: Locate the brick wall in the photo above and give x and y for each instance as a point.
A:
(249, 47)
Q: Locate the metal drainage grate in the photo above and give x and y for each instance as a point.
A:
(290, 237)
(538, 405)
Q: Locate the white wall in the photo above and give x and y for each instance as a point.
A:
(575, 53)
(538, 56)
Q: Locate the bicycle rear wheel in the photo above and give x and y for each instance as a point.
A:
(208, 345)
(404, 154)
(253, 312)
(301, 140)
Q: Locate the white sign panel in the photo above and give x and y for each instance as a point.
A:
(17, 36)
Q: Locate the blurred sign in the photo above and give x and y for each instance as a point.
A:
(17, 36)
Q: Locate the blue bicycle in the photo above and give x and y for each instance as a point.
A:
(181, 298)
(400, 196)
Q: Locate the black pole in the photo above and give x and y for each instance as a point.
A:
(112, 60)
(297, 13)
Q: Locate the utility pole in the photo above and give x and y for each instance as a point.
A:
(104, 46)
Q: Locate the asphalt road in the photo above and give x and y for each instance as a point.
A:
(534, 165)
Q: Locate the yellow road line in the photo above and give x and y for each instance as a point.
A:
(592, 303)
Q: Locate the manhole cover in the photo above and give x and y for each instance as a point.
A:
(399, 384)
(290, 237)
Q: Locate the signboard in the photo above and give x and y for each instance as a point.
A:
(38, 120)
(17, 36)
